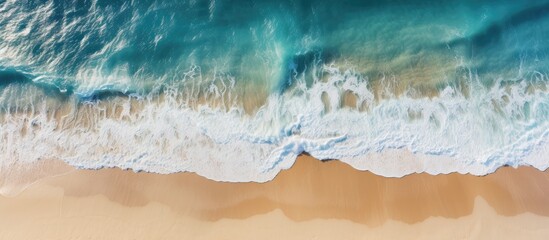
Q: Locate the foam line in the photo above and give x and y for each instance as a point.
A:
(496, 126)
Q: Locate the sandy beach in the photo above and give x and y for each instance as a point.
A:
(312, 200)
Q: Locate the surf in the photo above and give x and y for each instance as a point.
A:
(237, 92)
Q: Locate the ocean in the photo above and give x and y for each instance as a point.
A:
(236, 90)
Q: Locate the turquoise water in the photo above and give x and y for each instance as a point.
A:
(135, 46)
(235, 90)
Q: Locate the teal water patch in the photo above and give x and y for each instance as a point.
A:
(138, 45)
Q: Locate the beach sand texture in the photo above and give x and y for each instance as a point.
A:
(312, 200)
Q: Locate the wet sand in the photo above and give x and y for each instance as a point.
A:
(312, 200)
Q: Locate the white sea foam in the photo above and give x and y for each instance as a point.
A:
(505, 124)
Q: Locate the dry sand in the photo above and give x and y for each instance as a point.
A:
(312, 200)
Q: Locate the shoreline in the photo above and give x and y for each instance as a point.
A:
(308, 198)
